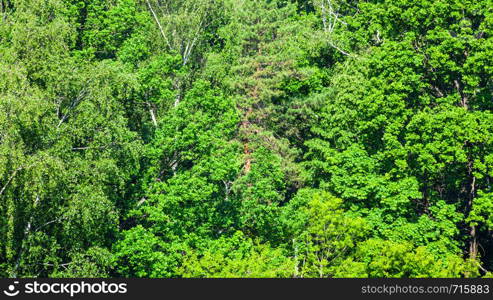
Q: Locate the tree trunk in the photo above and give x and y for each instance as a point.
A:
(473, 244)
(153, 115)
(473, 239)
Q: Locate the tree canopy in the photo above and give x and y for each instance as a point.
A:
(246, 138)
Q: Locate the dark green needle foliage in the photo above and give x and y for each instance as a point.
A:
(246, 138)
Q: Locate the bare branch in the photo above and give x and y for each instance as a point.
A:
(158, 23)
(339, 49)
(10, 179)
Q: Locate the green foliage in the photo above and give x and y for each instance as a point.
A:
(246, 138)
(323, 234)
(482, 211)
(140, 253)
(386, 259)
(405, 139)
(65, 169)
(237, 257)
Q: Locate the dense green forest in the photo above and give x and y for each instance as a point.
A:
(246, 138)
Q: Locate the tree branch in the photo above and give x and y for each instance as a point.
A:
(10, 179)
(158, 23)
